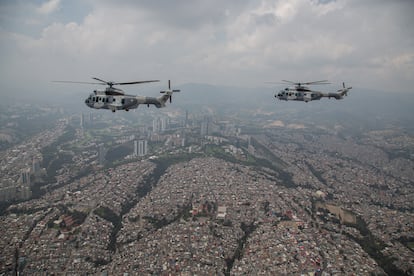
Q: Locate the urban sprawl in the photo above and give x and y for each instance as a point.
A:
(190, 194)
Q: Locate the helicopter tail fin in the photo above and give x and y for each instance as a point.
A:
(162, 100)
(344, 91)
(167, 95)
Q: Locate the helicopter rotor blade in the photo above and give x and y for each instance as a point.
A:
(106, 82)
(317, 82)
(308, 83)
(81, 82)
(274, 82)
(110, 83)
(291, 82)
(134, 82)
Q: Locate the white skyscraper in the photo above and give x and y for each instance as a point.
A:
(135, 148)
(81, 120)
(142, 147)
(164, 123)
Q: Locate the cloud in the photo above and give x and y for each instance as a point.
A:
(221, 42)
(48, 7)
(181, 14)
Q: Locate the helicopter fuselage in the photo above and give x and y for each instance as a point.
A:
(306, 95)
(302, 94)
(103, 100)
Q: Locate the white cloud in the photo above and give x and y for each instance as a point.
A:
(49, 7)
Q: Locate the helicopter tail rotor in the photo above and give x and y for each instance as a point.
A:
(344, 90)
(170, 91)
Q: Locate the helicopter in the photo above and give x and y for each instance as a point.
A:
(302, 93)
(115, 99)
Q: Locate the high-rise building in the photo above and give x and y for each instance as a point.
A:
(142, 147)
(156, 125)
(25, 177)
(135, 148)
(35, 166)
(204, 126)
(25, 192)
(101, 154)
(81, 120)
(164, 123)
(250, 147)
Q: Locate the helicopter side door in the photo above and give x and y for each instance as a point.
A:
(291, 95)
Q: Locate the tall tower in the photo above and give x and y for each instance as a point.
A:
(164, 123)
(186, 119)
(135, 148)
(101, 154)
(156, 125)
(35, 165)
(25, 177)
(142, 147)
(81, 120)
(204, 126)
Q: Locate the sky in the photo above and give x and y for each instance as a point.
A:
(243, 43)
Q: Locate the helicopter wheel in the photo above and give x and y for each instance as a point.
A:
(113, 110)
(126, 109)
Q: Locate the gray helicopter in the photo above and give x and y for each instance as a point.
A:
(115, 99)
(302, 93)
